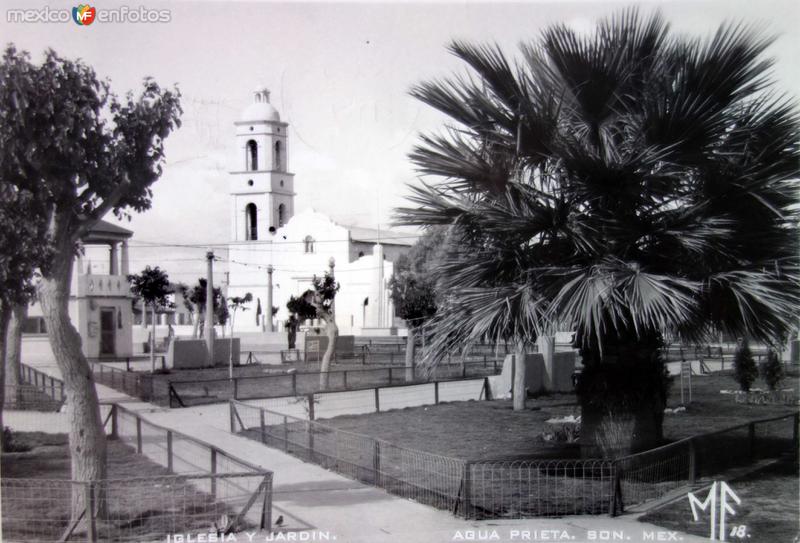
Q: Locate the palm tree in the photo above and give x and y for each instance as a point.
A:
(624, 184)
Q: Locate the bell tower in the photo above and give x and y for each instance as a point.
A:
(261, 186)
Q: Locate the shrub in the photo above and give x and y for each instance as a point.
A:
(9, 444)
(772, 370)
(744, 367)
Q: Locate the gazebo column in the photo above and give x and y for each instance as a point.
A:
(124, 262)
(113, 264)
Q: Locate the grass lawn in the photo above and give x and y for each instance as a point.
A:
(769, 507)
(37, 507)
(484, 430)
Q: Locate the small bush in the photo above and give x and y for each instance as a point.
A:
(744, 367)
(772, 370)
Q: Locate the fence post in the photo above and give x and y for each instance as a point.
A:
(266, 506)
(114, 427)
(138, 434)
(263, 426)
(310, 432)
(235, 388)
(692, 463)
(616, 494)
(795, 430)
(751, 439)
(230, 415)
(467, 477)
(169, 451)
(213, 472)
(52, 388)
(63, 396)
(285, 433)
(436, 392)
(128, 363)
(376, 462)
(91, 526)
(377, 400)
(344, 376)
(294, 384)
(310, 400)
(390, 376)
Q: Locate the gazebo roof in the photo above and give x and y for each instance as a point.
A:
(106, 232)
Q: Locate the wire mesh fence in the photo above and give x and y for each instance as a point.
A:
(204, 484)
(652, 474)
(185, 393)
(424, 477)
(537, 488)
(28, 397)
(140, 509)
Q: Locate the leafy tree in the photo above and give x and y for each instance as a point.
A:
(23, 249)
(236, 303)
(413, 289)
(623, 183)
(318, 304)
(194, 299)
(153, 287)
(772, 370)
(83, 152)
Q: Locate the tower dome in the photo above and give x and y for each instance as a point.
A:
(260, 109)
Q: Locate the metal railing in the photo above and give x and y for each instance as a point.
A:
(182, 393)
(48, 385)
(136, 384)
(652, 474)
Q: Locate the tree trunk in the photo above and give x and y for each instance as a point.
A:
(87, 440)
(196, 329)
(410, 348)
(153, 339)
(13, 351)
(331, 330)
(5, 315)
(622, 394)
(518, 392)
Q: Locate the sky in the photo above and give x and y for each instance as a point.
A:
(340, 75)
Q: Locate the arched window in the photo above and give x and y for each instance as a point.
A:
(309, 244)
(281, 214)
(252, 155)
(278, 157)
(251, 222)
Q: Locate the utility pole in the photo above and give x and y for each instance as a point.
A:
(209, 325)
(270, 269)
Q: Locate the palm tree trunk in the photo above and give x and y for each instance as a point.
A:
(410, 352)
(87, 440)
(628, 382)
(518, 390)
(13, 352)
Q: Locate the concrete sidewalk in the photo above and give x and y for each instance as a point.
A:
(322, 504)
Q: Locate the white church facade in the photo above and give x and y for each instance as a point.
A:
(274, 253)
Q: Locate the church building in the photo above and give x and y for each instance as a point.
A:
(274, 253)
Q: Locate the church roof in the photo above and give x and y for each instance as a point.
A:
(386, 237)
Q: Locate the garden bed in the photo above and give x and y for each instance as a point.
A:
(485, 430)
(145, 501)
